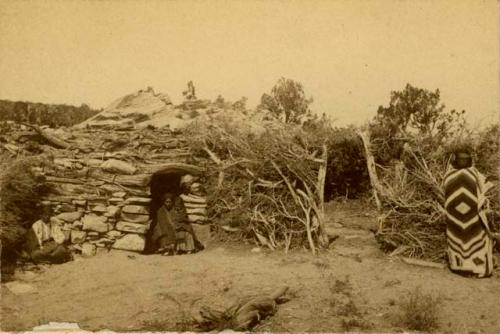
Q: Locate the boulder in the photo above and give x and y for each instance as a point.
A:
(88, 249)
(130, 242)
(137, 209)
(134, 218)
(118, 166)
(70, 217)
(78, 237)
(131, 227)
(95, 223)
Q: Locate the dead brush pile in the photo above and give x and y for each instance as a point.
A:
(265, 184)
(411, 221)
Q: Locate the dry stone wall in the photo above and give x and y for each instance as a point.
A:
(101, 198)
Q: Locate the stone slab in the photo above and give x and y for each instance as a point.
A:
(88, 250)
(116, 201)
(80, 202)
(144, 201)
(99, 209)
(95, 223)
(19, 288)
(112, 211)
(130, 242)
(78, 237)
(131, 227)
(136, 209)
(134, 218)
(69, 216)
(113, 234)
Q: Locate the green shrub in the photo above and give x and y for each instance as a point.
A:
(21, 190)
(488, 150)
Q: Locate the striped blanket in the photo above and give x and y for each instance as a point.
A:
(470, 245)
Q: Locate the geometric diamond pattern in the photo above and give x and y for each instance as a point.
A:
(463, 208)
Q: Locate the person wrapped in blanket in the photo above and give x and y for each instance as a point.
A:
(173, 233)
(469, 237)
(45, 241)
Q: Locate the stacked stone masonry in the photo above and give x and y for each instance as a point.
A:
(102, 199)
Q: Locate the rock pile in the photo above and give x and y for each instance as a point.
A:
(91, 222)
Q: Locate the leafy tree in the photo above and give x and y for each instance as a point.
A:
(53, 115)
(413, 113)
(241, 104)
(287, 101)
(418, 110)
(20, 111)
(219, 101)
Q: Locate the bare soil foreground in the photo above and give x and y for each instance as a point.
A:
(352, 286)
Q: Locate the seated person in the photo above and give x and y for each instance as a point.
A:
(172, 233)
(44, 241)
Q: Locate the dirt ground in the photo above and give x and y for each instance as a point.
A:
(352, 286)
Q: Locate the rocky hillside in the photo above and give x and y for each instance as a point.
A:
(148, 108)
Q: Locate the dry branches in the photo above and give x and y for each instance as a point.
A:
(273, 181)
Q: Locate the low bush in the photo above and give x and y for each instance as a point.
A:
(420, 311)
(21, 190)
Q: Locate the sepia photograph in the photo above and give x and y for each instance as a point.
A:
(280, 166)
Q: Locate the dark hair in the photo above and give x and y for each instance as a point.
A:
(461, 159)
(167, 195)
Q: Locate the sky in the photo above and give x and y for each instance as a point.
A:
(349, 55)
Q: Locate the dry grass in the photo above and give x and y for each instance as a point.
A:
(420, 311)
(343, 306)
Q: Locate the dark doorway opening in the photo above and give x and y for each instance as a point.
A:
(166, 181)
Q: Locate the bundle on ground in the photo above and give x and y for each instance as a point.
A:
(242, 315)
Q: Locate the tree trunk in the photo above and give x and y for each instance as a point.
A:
(370, 164)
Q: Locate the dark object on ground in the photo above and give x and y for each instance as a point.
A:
(243, 315)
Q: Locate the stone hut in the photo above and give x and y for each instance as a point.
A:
(107, 188)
